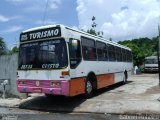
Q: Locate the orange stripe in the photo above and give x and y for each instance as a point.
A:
(77, 86)
(105, 80)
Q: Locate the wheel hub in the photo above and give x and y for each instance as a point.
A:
(89, 87)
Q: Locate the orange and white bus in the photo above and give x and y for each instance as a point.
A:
(58, 60)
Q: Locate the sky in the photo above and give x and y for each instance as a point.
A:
(118, 19)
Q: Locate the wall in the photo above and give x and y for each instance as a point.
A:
(8, 70)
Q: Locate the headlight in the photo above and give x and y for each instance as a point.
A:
(22, 82)
(55, 84)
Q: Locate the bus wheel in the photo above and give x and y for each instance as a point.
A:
(125, 77)
(88, 89)
(48, 95)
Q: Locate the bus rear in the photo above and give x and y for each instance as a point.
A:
(43, 62)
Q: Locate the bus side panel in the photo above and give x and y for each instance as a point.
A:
(77, 86)
(105, 80)
(119, 77)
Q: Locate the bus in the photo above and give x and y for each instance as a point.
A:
(59, 60)
(151, 64)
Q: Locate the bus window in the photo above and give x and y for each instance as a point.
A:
(128, 55)
(111, 52)
(88, 49)
(118, 54)
(123, 55)
(43, 55)
(74, 52)
(101, 51)
(151, 61)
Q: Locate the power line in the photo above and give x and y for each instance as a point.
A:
(45, 12)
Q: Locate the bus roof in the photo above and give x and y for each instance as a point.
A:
(40, 27)
(152, 57)
(102, 39)
(82, 32)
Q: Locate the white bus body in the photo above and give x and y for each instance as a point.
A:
(151, 64)
(79, 74)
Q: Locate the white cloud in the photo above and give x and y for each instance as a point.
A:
(17, 2)
(54, 4)
(36, 5)
(6, 19)
(75, 27)
(121, 19)
(12, 29)
(3, 18)
(41, 22)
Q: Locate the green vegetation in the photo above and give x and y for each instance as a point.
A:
(141, 48)
(14, 50)
(3, 49)
(93, 27)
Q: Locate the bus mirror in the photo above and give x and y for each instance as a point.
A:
(74, 43)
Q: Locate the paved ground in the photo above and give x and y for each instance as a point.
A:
(139, 96)
(21, 114)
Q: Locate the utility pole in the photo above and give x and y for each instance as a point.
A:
(159, 52)
(45, 12)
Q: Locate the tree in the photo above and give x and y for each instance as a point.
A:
(141, 48)
(93, 27)
(2, 46)
(14, 50)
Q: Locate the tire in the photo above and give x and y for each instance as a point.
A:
(125, 77)
(48, 95)
(88, 89)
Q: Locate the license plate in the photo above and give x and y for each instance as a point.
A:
(37, 90)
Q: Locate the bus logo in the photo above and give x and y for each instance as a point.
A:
(37, 83)
(41, 34)
(24, 37)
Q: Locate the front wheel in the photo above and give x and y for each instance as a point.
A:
(88, 89)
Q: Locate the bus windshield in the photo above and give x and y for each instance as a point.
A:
(151, 61)
(43, 55)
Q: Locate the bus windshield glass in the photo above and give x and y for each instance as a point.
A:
(49, 54)
(151, 61)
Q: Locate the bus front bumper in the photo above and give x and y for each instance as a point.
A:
(46, 87)
(151, 69)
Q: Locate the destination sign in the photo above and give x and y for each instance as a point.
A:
(40, 34)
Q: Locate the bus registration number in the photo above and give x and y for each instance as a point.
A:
(50, 65)
(37, 90)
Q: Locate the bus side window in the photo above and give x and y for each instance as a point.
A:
(123, 55)
(118, 54)
(101, 51)
(111, 51)
(88, 49)
(74, 52)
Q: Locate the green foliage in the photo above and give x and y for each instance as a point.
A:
(92, 31)
(141, 48)
(14, 50)
(93, 26)
(2, 47)
(141, 69)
